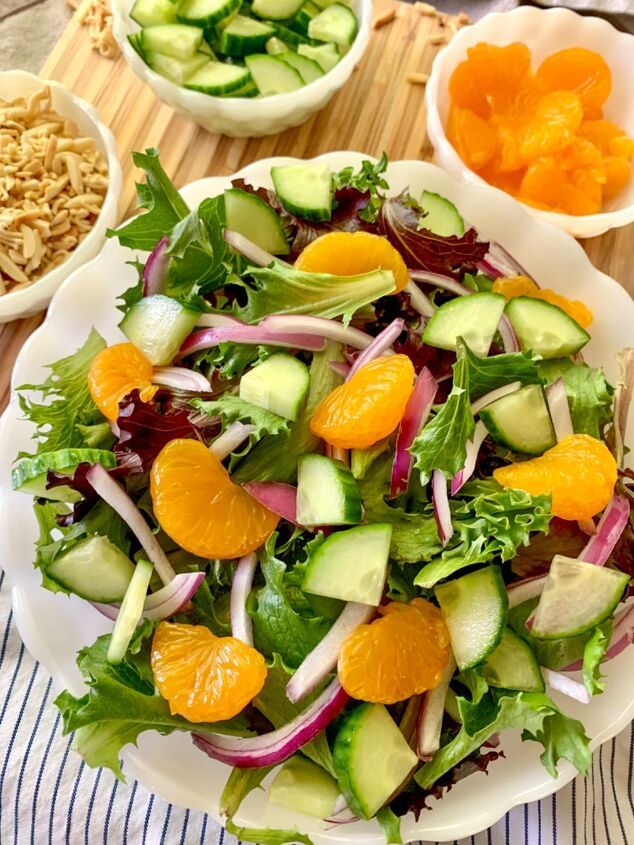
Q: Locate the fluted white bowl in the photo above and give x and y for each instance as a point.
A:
(545, 32)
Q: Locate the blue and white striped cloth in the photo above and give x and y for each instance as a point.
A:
(48, 796)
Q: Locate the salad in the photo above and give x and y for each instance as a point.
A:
(347, 490)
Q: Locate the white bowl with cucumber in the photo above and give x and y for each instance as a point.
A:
(242, 69)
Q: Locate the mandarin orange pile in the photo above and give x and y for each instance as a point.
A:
(542, 136)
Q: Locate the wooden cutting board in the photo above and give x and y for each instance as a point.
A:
(376, 110)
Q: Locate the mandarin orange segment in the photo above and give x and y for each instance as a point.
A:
(576, 69)
(579, 472)
(621, 147)
(553, 125)
(466, 92)
(600, 133)
(204, 678)
(368, 407)
(197, 504)
(618, 172)
(499, 70)
(114, 372)
(401, 654)
(352, 253)
(523, 286)
(473, 138)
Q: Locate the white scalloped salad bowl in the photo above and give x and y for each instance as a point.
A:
(54, 627)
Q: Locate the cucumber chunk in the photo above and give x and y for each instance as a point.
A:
(326, 55)
(577, 596)
(135, 39)
(279, 384)
(474, 608)
(206, 13)
(129, 612)
(94, 569)
(351, 565)
(252, 217)
(205, 49)
(371, 758)
(305, 15)
(304, 787)
(157, 325)
(304, 189)
(327, 494)
(176, 70)
(475, 318)
(440, 216)
(275, 46)
(513, 665)
(336, 24)
(153, 12)
(521, 421)
(276, 10)
(544, 328)
(242, 36)
(307, 68)
(176, 40)
(31, 475)
(219, 79)
(289, 36)
(272, 75)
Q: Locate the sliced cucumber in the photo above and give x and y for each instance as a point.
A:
(206, 13)
(157, 325)
(279, 384)
(289, 36)
(326, 55)
(323, 4)
(252, 217)
(135, 39)
(176, 40)
(513, 665)
(351, 565)
(94, 569)
(307, 68)
(219, 79)
(544, 328)
(577, 596)
(275, 46)
(304, 787)
(175, 70)
(336, 24)
(247, 90)
(440, 216)
(206, 49)
(276, 10)
(304, 189)
(521, 421)
(371, 757)
(244, 35)
(475, 318)
(327, 494)
(31, 475)
(153, 12)
(272, 75)
(129, 612)
(305, 15)
(474, 608)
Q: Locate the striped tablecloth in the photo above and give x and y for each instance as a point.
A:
(48, 796)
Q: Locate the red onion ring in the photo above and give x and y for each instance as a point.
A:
(380, 344)
(416, 412)
(241, 624)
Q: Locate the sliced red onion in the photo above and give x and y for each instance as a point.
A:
(182, 379)
(566, 685)
(493, 396)
(525, 590)
(340, 368)
(250, 335)
(440, 281)
(489, 270)
(622, 637)
(229, 440)
(507, 333)
(164, 603)
(215, 321)
(317, 665)
(277, 497)
(611, 526)
(380, 344)
(344, 816)
(320, 326)
(442, 513)
(473, 447)
(114, 495)
(275, 747)
(416, 412)
(250, 250)
(500, 262)
(431, 714)
(559, 408)
(622, 402)
(241, 625)
(420, 302)
(154, 276)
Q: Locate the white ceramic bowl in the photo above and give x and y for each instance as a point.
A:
(545, 32)
(18, 83)
(241, 117)
(170, 765)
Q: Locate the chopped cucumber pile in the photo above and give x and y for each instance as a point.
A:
(229, 48)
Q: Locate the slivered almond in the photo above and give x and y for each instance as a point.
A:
(383, 18)
(418, 78)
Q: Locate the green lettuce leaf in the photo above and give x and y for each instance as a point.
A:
(231, 408)
(267, 835)
(486, 374)
(589, 394)
(97, 435)
(121, 703)
(239, 784)
(368, 179)
(593, 654)
(390, 826)
(68, 403)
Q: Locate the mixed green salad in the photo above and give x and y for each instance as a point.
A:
(379, 510)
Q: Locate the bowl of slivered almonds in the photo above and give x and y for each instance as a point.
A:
(60, 183)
